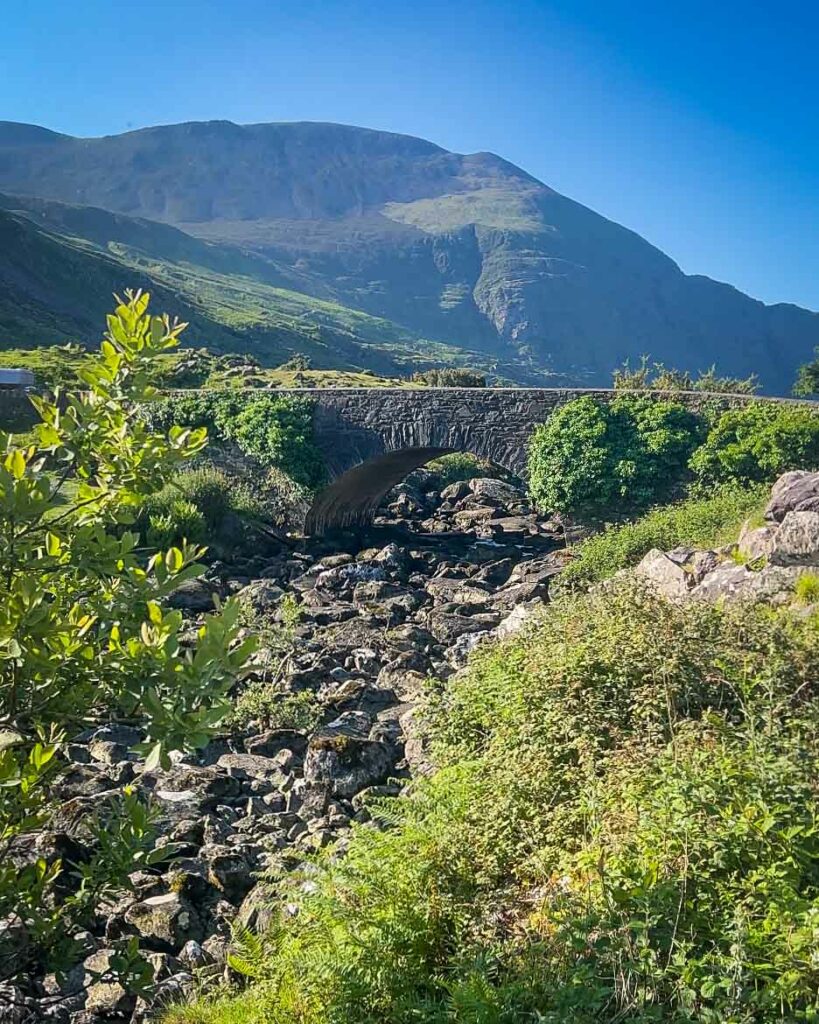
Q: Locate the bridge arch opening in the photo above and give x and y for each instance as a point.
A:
(353, 497)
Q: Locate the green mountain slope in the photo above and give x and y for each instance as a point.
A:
(469, 251)
(59, 265)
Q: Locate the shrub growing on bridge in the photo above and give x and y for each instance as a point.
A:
(451, 377)
(276, 430)
(591, 458)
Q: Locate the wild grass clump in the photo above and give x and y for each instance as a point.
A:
(806, 588)
(698, 522)
(622, 827)
(196, 506)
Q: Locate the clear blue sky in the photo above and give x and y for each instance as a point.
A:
(693, 123)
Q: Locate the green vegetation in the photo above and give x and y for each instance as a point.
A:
(659, 377)
(622, 828)
(232, 300)
(265, 699)
(85, 639)
(449, 469)
(450, 377)
(52, 365)
(277, 431)
(806, 588)
(202, 504)
(697, 522)
(592, 457)
(807, 378)
(758, 443)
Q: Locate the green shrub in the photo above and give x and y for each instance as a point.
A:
(622, 827)
(697, 522)
(210, 489)
(180, 521)
(592, 457)
(450, 377)
(457, 466)
(659, 377)
(284, 501)
(267, 703)
(196, 506)
(85, 638)
(758, 443)
(275, 430)
(807, 378)
(806, 588)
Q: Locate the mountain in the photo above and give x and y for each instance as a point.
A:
(60, 265)
(467, 252)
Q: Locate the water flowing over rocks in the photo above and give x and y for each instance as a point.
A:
(381, 611)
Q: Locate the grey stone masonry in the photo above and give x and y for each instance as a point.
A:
(373, 437)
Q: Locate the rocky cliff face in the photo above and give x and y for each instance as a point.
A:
(464, 249)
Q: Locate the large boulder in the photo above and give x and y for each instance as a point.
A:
(664, 574)
(497, 491)
(756, 543)
(796, 541)
(165, 922)
(345, 763)
(732, 582)
(797, 491)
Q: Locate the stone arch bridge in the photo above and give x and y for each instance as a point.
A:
(371, 438)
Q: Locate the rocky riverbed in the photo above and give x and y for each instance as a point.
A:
(379, 612)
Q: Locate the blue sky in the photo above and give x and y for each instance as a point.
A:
(693, 123)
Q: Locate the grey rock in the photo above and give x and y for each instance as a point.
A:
(165, 922)
(229, 871)
(518, 618)
(447, 627)
(346, 764)
(797, 491)
(796, 541)
(663, 574)
(261, 595)
(250, 766)
(756, 543)
(193, 595)
(731, 582)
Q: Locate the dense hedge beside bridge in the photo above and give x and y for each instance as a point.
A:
(594, 458)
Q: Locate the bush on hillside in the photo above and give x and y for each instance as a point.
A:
(758, 443)
(622, 828)
(450, 377)
(591, 458)
(85, 638)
